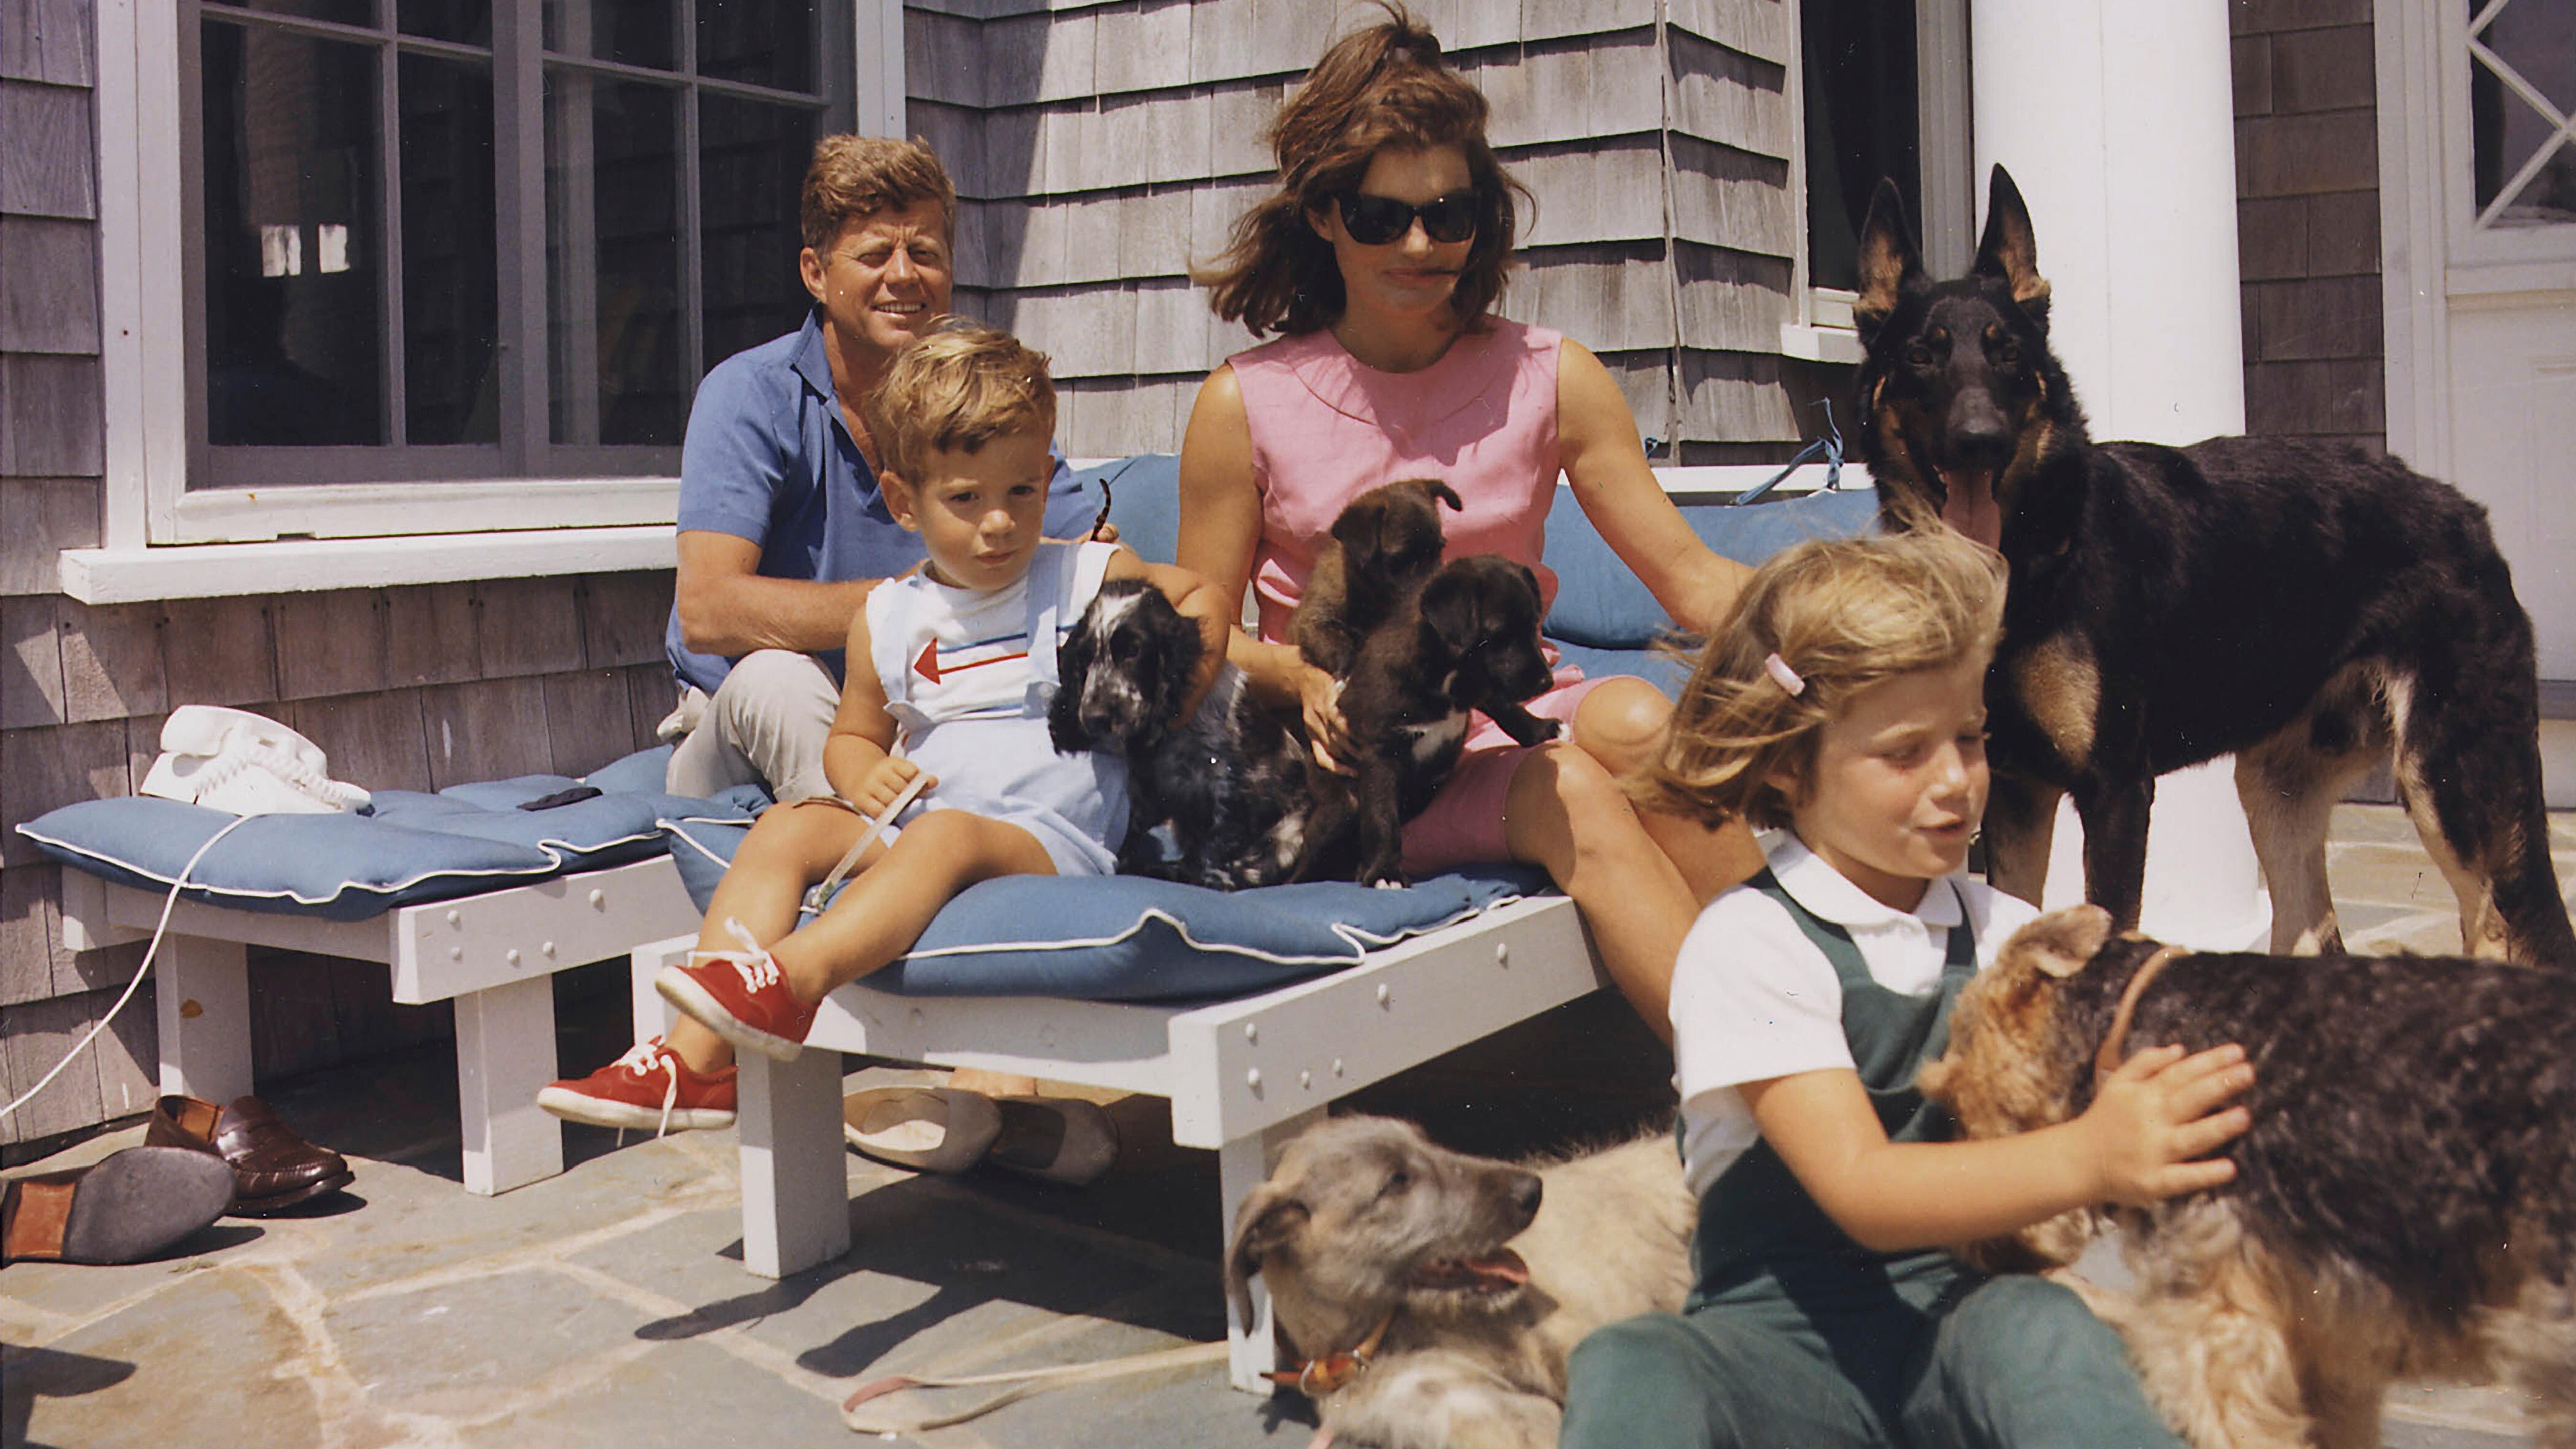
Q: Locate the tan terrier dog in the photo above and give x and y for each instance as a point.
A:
(2404, 1204)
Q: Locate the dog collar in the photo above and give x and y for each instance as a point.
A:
(1333, 1372)
(2108, 1059)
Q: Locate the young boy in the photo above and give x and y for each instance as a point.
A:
(951, 668)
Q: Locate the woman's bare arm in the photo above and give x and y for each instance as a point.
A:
(1604, 460)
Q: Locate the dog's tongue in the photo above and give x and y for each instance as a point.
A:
(1971, 508)
(1501, 1263)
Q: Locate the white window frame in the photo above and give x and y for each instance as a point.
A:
(1820, 330)
(151, 519)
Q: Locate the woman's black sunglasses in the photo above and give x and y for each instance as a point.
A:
(1373, 221)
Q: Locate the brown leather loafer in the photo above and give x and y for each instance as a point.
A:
(126, 1207)
(272, 1167)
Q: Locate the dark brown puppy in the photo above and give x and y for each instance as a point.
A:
(2311, 609)
(1467, 640)
(2404, 1204)
(1384, 544)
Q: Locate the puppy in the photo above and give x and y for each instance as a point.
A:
(1230, 781)
(1466, 640)
(1384, 544)
(2404, 1204)
(1434, 1296)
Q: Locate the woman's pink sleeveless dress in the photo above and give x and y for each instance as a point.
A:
(1327, 428)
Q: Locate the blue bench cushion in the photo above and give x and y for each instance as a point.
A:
(1125, 938)
(1601, 605)
(409, 848)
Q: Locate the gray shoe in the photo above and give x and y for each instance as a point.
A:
(128, 1206)
(928, 1129)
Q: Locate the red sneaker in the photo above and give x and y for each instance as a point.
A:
(648, 1087)
(740, 996)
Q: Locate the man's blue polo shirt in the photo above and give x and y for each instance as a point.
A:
(769, 458)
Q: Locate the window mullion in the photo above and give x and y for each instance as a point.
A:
(692, 282)
(389, 290)
(519, 190)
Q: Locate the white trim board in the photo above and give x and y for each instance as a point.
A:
(212, 570)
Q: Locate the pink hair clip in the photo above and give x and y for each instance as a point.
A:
(1779, 670)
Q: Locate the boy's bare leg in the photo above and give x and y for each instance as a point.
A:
(891, 901)
(790, 847)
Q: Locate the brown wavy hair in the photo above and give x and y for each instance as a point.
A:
(1382, 86)
(1842, 615)
(857, 176)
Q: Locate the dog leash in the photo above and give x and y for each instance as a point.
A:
(1024, 1382)
(2108, 1059)
(821, 892)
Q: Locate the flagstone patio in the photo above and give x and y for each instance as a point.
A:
(608, 1305)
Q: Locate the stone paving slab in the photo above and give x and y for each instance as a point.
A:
(609, 1306)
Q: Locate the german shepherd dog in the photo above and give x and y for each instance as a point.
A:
(2306, 606)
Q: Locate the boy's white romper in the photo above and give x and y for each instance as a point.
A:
(968, 675)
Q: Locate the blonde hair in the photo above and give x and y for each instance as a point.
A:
(857, 176)
(958, 388)
(1840, 615)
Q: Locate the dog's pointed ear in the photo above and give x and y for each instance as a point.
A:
(2009, 254)
(1889, 265)
(1444, 493)
(2061, 943)
(1270, 1216)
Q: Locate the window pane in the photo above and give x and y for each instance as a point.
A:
(451, 285)
(346, 12)
(636, 32)
(467, 22)
(751, 167)
(293, 259)
(763, 42)
(2504, 127)
(613, 250)
(1863, 123)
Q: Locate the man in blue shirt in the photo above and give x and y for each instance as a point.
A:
(781, 528)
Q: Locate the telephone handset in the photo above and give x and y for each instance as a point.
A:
(249, 764)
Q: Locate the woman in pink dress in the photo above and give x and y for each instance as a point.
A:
(1377, 262)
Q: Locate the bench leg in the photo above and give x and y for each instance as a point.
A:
(795, 1185)
(505, 1053)
(653, 1015)
(202, 989)
(1240, 1167)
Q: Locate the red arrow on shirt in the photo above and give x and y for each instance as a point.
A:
(927, 666)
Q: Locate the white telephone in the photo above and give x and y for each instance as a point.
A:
(231, 759)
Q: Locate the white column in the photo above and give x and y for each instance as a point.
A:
(2116, 120)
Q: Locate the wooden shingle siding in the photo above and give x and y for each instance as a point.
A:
(2307, 186)
(1102, 149)
(47, 40)
(46, 168)
(48, 285)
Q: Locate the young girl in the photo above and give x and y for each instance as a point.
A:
(1842, 706)
(951, 668)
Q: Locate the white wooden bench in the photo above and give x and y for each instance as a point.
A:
(1243, 1076)
(491, 954)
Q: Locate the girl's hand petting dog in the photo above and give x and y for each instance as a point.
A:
(2154, 1122)
(884, 781)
